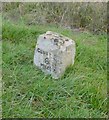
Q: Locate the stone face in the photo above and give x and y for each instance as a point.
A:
(53, 53)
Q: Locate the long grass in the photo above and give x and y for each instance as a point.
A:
(29, 93)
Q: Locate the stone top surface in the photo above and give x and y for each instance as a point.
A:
(52, 41)
(53, 35)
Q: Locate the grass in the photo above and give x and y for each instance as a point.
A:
(0, 80)
(28, 93)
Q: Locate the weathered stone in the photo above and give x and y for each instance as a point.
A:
(53, 53)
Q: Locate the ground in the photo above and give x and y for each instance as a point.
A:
(29, 93)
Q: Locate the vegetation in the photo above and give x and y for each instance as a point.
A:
(91, 16)
(29, 93)
(0, 67)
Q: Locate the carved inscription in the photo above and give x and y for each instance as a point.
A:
(55, 64)
(41, 51)
(46, 63)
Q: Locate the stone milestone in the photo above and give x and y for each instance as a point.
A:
(54, 53)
